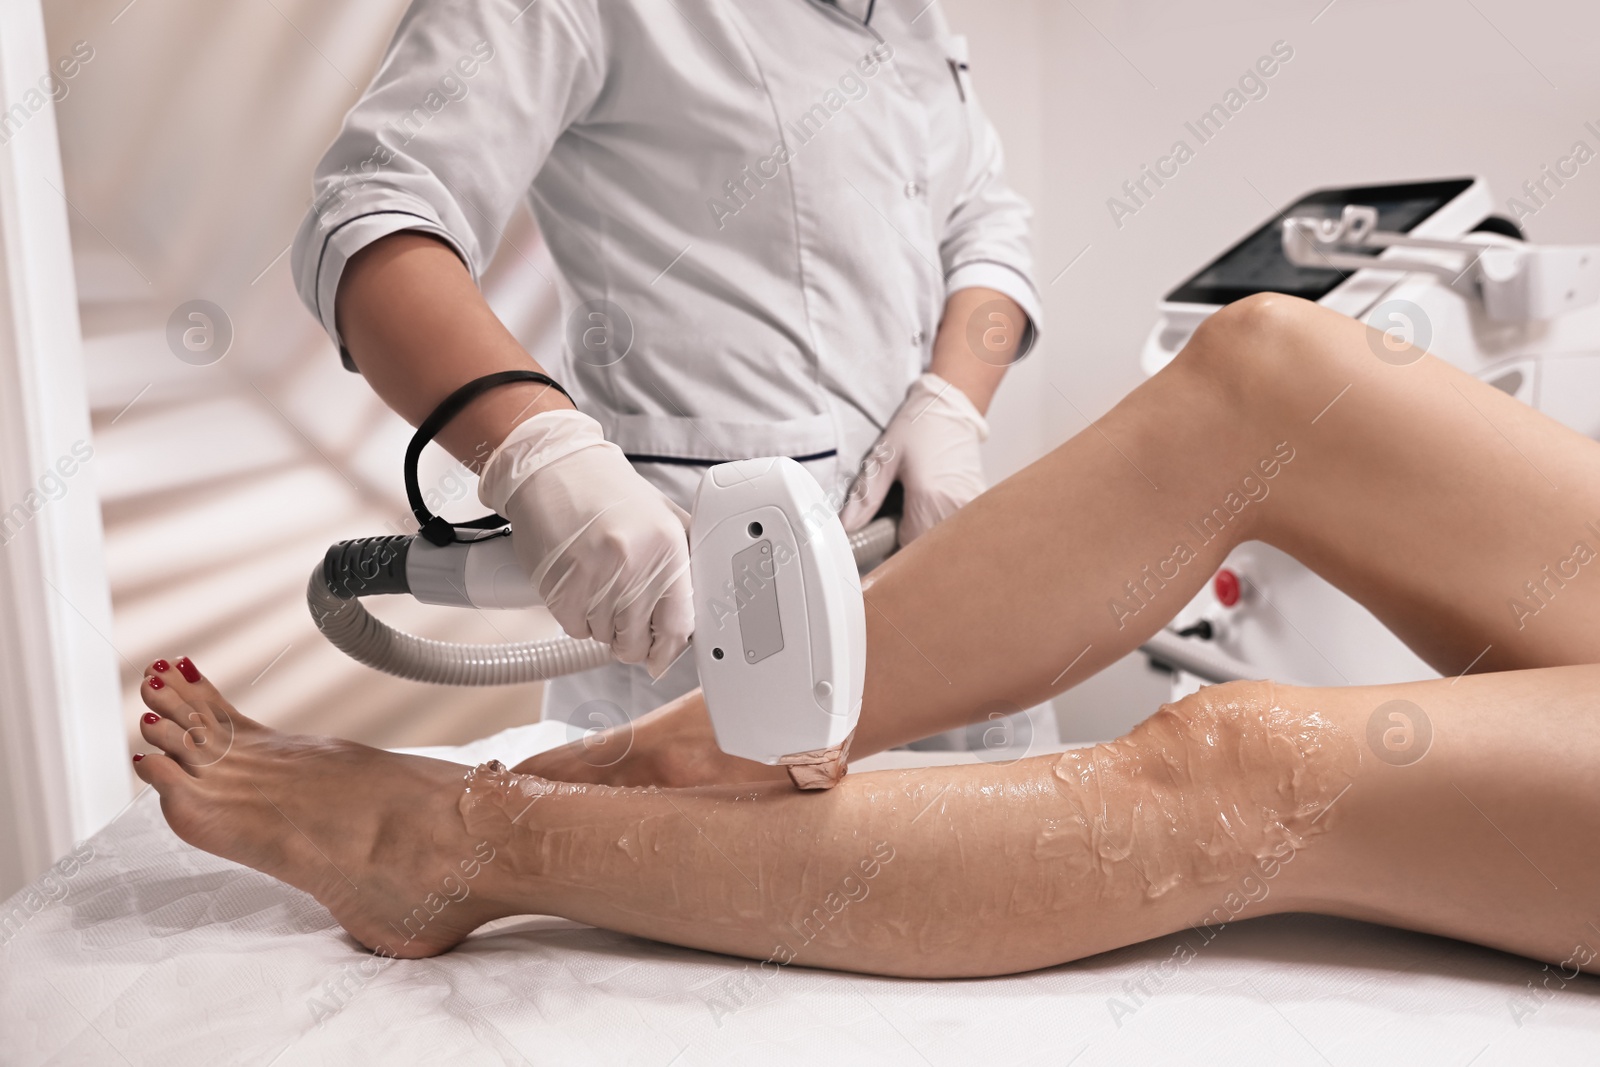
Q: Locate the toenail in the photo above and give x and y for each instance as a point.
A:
(137, 756)
(190, 672)
(151, 718)
(161, 665)
(156, 683)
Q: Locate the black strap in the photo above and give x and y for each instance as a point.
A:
(435, 528)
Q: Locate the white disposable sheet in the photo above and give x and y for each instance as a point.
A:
(154, 953)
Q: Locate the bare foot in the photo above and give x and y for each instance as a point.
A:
(672, 746)
(377, 838)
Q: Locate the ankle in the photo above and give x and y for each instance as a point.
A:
(497, 809)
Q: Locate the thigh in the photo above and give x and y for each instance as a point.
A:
(1465, 520)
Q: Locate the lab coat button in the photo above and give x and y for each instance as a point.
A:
(917, 339)
(913, 190)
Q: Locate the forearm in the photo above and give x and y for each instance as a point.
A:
(418, 329)
(978, 338)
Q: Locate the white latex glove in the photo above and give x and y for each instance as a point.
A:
(608, 552)
(931, 448)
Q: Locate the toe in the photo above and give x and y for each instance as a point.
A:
(160, 696)
(177, 689)
(185, 678)
(180, 735)
(160, 771)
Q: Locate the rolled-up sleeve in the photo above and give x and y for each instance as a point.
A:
(986, 240)
(460, 117)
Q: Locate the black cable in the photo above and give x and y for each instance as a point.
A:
(436, 529)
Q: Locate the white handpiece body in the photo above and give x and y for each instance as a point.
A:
(780, 625)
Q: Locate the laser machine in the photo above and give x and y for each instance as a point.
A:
(1426, 264)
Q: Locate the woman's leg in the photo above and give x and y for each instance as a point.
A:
(1435, 500)
(1242, 800)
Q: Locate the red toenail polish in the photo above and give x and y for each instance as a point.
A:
(151, 718)
(156, 683)
(161, 666)
(190, 672)
(137, 756)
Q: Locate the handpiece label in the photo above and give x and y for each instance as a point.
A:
(755, 584)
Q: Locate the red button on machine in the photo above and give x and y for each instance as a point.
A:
(1226, 586)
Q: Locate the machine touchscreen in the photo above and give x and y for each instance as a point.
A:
(1257, 263)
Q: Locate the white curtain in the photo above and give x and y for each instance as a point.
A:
(188, 139)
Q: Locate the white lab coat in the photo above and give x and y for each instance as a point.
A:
(765, 201)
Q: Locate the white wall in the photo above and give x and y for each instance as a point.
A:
(188, 140)
(61, 765)
(1086, 92)
(190, 137)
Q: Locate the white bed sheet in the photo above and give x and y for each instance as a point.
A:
(155, 953)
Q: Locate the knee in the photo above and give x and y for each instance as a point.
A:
(1206, 725)
(1229, 707)
(1251, 341)
(1269, 736)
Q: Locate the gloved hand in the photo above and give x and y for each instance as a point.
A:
(931, 448)
(606, 549)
